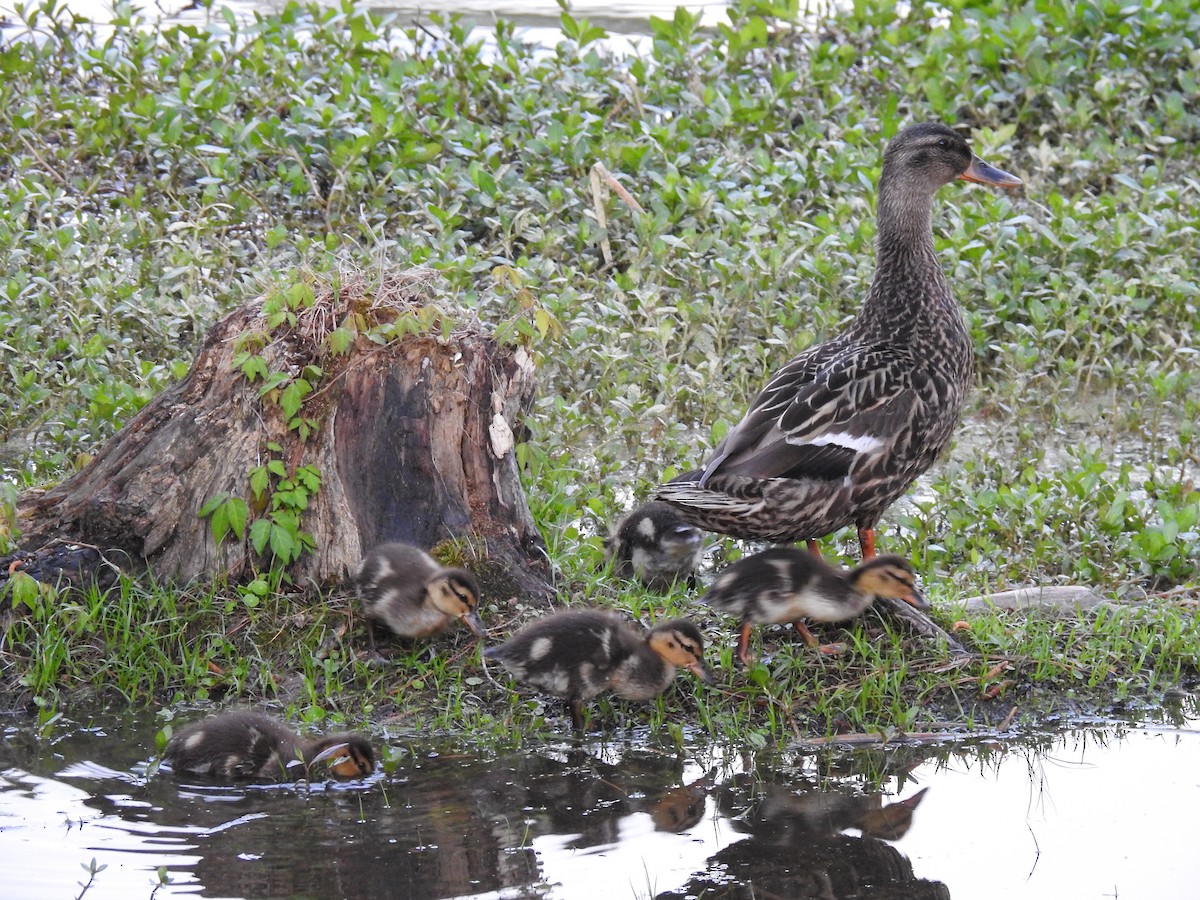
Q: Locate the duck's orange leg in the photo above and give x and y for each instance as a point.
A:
(814, 548)
(866, 542)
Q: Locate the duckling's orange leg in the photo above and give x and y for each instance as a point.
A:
(743, 645)
(866, 542)
(576, 705)
(814, 548)
(809, 637)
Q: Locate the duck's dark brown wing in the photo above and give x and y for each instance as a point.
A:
(821, 413)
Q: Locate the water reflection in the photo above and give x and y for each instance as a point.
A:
(797, 846)
(620, 819)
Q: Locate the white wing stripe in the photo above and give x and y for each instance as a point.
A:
(859, 443)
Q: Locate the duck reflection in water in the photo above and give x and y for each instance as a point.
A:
(797, 847)
(588, 797)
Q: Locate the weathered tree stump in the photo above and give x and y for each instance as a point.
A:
(406, 420)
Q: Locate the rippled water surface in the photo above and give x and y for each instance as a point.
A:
(1099, 812)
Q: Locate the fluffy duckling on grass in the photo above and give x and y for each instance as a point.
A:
(656, 546)
(787, 584)
(244, 744)
(411, 593)
(577, 654)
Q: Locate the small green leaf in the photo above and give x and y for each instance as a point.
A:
(340, 340)
(259, 480)
(219, 523)
(292, 396)
(260, 534)
(25, 589)
(208, 508)
(237, 512)
(310, 477)
(283, 545)
(254, 367)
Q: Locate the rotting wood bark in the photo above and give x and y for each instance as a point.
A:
(413, 442)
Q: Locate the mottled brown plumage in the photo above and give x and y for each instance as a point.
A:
(407, 590)
(244, 744)
(787, 584)
(843, 429)
(579, 653)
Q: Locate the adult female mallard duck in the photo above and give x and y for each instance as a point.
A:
(244, 744)
(653, 544)
(407, 590)
(843, 429)
(579, 653)
(787, 584)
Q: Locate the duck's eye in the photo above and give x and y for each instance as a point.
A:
(943, 143)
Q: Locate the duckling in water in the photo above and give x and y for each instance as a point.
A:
(655, 545)
(245, 744)
(787, 584)
(407, 590)
(579, 653)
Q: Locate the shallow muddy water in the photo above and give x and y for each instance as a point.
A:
(1092, 812)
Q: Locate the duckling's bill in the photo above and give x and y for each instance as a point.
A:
(982, 173)
(915, 599)
(471, 620)
(702, 672)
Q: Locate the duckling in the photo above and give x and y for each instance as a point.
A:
(244, 744)
(406, 589)
(784, 584)
(655, 545)
(579, 653)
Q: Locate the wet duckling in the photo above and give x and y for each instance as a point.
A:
(655, 545)
(579, 653)
(244, 744)
(407, 590)
(786, 584)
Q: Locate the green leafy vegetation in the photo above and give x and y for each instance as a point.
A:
(156, 176)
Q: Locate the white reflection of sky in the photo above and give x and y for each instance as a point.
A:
(1086, 821)
(50, 821)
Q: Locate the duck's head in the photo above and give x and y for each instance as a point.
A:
(680, 644)
(348, 756)
(924, 157)
(456, 593)
(890, 577)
